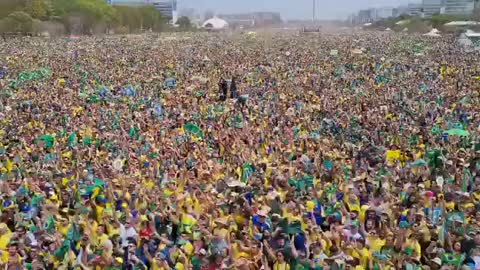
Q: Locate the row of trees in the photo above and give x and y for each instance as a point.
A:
(77, 16)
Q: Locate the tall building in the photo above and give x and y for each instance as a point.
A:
(431, 7)
(257, 19)
(459, 7)
(168, 8)
(385, 12)
(238, 20)
(266, 18)
(401, 10)
(367, 15)
(414, 9)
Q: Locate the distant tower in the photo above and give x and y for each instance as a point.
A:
(313, 10)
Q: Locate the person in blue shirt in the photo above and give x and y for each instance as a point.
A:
(259, 221)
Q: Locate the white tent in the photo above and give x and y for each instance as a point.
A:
(433, 33)
(402, 22)
(462, 23)
(215, 24)
(470, 33)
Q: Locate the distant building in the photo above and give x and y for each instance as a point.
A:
(238, 20)
(414, 9)
(255, 19)
(431, 7)
(402, 10)
(266, 18)
(385, 12)
(365, 16)
(168, 8)
(459, 7)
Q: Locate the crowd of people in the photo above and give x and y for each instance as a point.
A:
(213, 151)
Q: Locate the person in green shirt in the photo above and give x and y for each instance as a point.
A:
(198, 260)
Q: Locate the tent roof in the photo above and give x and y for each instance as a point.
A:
(462, 23)
(472, 34)
(215, 23)
(433, 33)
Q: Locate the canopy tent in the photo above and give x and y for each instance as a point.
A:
(402, 22)
(215, 24)
(462, 23)
(433, 33)
(470, 33)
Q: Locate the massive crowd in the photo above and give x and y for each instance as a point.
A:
(212, 151)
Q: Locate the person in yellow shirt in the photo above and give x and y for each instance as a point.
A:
(111, 227)
(63, 226)
(100, 235)
(280, 263)
(412, 245)
(374, 242)
(5, 235)
(361, 252)
(11, 257)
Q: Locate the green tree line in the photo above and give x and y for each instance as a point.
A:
(77, 16)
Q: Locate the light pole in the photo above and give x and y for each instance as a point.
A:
(313, 10)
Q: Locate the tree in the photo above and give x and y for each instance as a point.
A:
(19, 21)
(9, 6)
(184, 23)
(83, 15)
(36, 8)
(136, 18)
(151, 18)
(79, 16)
(417, 25)
(62, 7)
(129, 17)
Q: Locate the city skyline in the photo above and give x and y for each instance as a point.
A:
(291, 9)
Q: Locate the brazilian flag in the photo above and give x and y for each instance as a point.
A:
(453, 259)
(247, 171)
(49, 225)
(73, 235)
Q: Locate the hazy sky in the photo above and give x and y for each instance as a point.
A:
(290, 9)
